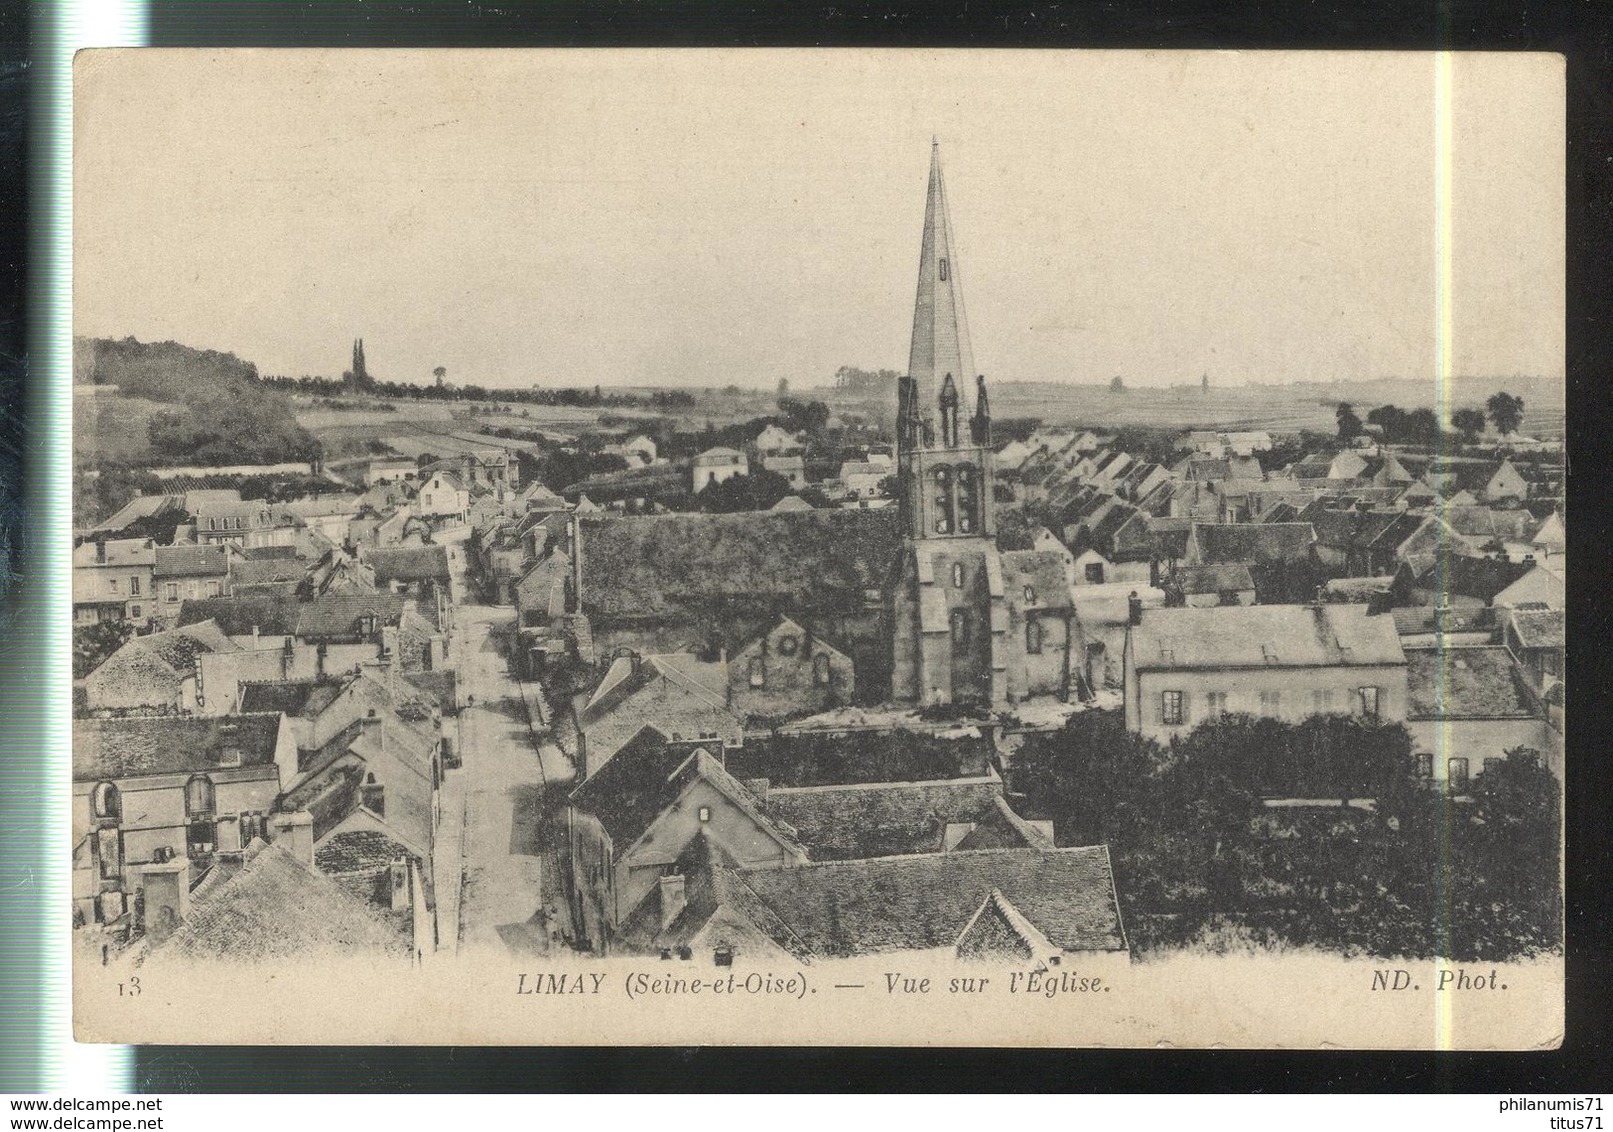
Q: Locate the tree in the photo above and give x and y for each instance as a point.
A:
(1117, 385)
(1506, 412)
(440, 373)
(92, 644)
(1349, 423)
(783, 388)
(1468, 422)
(755, 492)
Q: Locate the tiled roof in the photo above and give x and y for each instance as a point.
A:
(655, 566)
(128, 748)
(1227, 578)
(192, 561)
(276, 908)
(274, 614)
(1253, 542)
(1466, 576)
(337, 615)
(407, 564)
(914, 903)
(305, 698)
(117, 551)
(1264, 636)
(1465, 683)
(179, 648)
(646, 776)
(1538, 628)
(357, 851)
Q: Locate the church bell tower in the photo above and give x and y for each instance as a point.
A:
(949, 617)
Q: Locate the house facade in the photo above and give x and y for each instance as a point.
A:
(1184, 665)
(112, 580)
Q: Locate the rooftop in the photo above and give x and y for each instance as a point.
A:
(1264, 636)
(128, 748)
(1465, 683)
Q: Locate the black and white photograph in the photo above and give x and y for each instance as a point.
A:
(818, 547)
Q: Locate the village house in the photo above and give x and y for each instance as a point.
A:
(1200, 587)
(638, 450)
(181, 573)
(269, 903)
(681, 695)
(159, 672)
(1184, 666)
(633, 818)
(152, 790)
(387, 469)
(420, 572)
(1281, 557)
(1469, 706)
(443, 497)
(775, 441)
(243, 523)
(860, 479)
(112, 580)
(1535, 639)
(330, 515)
(792, 468)
(715, 465)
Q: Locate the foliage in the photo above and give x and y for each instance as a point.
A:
(1117, 385)
(92, 644)
(817, 760)
(1506, 412)
(869, 383)
(1398, 426)
(1199, 861)
(1468, 422)
(1350, 425)
(754, 492)
(101, 490)
(809, 417)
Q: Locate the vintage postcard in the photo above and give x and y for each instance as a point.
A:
(555, 562)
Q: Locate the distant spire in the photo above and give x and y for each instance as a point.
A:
(940, 343)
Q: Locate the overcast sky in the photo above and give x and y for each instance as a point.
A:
(711, 217)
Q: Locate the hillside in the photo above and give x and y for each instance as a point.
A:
(209, 407)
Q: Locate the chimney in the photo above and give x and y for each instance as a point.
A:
(295, 833)
(673, 899)
(1134, 609)
(372, 795)
(167, 896)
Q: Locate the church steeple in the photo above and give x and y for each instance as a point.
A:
(940, 343)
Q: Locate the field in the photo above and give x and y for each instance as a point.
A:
(1270, 408)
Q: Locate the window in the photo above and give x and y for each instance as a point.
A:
(1271, 704)
(199, 796)
(1492, 764)
(109, 852)
(1425, 766)
(1171, 708)
(957, 575)
(1369, 703)
(1456, 771)
(1095, 572)
(1215, 704)
(1030, 595)
(212, 589)
(134, 612)
(960, 629)
(968, 500)
(943, 268)
(105, 801)
(201, 837)
(1322, 701)
(134, 586)
(173, 591)
(820, 668)
(758, 672)
(943, 501)
(111, 585)
(1033, 636)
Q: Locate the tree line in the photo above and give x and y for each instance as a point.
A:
(1421, 427)
(1201, 861)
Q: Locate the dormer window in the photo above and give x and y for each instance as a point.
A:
(105, 802)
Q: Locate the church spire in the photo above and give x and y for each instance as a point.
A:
(940, 330)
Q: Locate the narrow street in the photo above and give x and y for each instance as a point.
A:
(508, 775)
